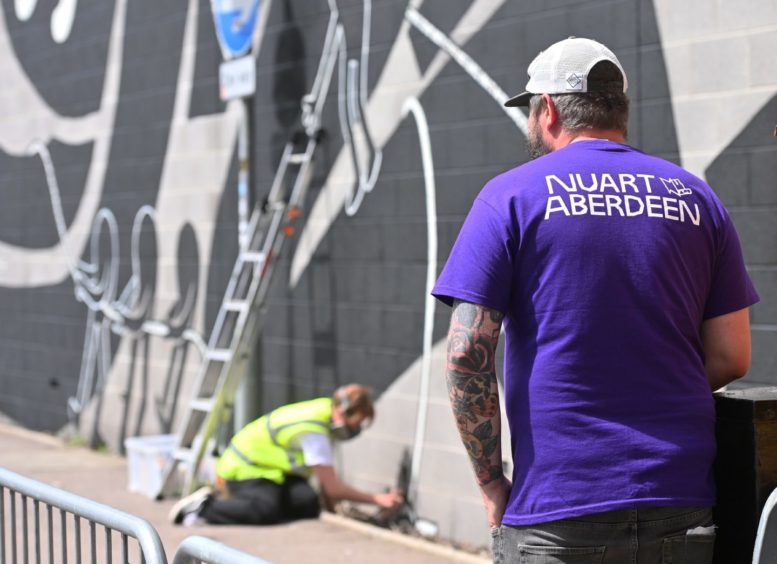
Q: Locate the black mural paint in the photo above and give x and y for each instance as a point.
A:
(379, 255)
(27, 210)
(445, 14)
(357, 312)
(133, 405)
(745, 173)
(179, 317)
(48, 323)
(70, 75)
(205, 88)
(289, 83)
(224, 248)
(41, 338)
(151, 58)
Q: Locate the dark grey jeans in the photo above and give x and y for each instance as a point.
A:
(656, 535)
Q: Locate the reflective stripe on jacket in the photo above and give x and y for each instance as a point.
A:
(268, 447)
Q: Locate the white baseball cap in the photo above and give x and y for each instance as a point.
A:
(563, 68)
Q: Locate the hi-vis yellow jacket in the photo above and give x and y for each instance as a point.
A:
(267, 447)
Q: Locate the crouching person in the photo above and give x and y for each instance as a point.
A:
(265, 469)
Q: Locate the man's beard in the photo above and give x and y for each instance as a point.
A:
(535, 144)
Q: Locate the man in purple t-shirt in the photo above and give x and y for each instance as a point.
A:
(620, 282)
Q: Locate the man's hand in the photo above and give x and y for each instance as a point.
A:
(495, 496)
(388, 500)
(335, 490)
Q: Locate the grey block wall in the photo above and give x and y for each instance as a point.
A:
(111, 277)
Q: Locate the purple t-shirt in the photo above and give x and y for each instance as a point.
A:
(605, 261)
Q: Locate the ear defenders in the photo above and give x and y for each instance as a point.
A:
(342, 398)
(341, 431)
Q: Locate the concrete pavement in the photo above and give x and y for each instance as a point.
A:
(103, 478)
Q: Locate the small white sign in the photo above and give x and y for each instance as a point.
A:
(237, 78)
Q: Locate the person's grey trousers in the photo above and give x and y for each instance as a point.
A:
(656, 535)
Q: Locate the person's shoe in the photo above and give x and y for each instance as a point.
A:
(192, 503)
(193, 520)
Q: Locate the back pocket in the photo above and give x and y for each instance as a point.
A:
(555, 555)
(688, 549)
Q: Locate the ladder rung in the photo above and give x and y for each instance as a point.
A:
(221, 355)
(235, 305)
(252, 256)
(297, 158)
(202, 404)
(230, 343)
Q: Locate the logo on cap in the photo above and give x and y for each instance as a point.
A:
(575, 81)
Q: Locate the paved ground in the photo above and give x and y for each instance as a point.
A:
(103, 477)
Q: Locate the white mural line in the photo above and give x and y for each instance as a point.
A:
(468, 64)
(261, 24)
(355, 133)
(96, 281)
(62, 16)
(21, 95)
(198, 154)
(413, 106)
(20, 99)
(94, 288)
(132, 297)
(401, 78)
(364, 62)
(313, 105)
(41, 150)
(355, 96)
(82, 272)
(365, 158)
(97, 291)
(206, 142)
(183, 92)
(62, 19)
(130, 314)
(95, 285)
(24, 9)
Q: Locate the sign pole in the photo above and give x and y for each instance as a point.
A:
(243, 175)
(236, 23)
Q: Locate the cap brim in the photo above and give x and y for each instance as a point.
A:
(521, 100)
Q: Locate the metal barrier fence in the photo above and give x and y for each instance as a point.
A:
(17, 522)
(194, 550)
(16, 525)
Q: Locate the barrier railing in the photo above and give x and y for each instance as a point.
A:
(194, 550)
(27, 531)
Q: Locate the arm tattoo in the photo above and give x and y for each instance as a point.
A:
(472, 386)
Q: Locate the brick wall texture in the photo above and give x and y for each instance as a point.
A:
(119, 206)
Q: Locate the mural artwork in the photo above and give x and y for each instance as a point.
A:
(119, 205)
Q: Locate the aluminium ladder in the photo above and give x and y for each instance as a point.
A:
(240, 315)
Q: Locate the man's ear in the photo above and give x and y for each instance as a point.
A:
(549, 109)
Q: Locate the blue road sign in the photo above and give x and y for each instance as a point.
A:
(235, 23)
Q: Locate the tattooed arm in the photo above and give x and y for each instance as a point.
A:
(474, 397)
